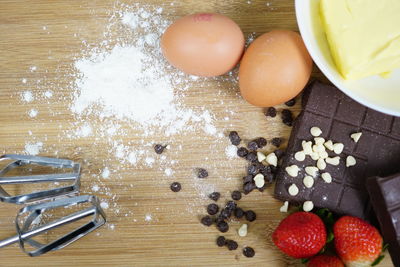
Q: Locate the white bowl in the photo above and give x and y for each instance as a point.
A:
(382, 94)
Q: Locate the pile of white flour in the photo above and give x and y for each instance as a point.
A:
(132, 81)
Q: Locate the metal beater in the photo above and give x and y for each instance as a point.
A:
(31, 222)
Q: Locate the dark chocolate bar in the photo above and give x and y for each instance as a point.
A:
(385, 199)
(377, 152)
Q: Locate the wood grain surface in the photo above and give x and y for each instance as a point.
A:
(49, 35)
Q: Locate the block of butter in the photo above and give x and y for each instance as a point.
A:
(363, 35)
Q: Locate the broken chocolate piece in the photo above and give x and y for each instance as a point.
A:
(385, 199)
(338, 116)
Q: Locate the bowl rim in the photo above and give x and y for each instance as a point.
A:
(320, 62)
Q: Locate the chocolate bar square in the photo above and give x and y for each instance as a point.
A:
(385, 199)
(377, 152)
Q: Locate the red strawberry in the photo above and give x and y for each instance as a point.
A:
(325, 261)
(357, 242)
(300, 235)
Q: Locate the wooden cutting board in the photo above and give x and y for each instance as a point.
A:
(148, 225)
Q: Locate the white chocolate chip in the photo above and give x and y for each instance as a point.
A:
(326, 176)
(300, 156)
(318, 148)
(315, 131)
(307, 147)
(272, 159)
(260, 156)
(242, 231)
(356, 136)
(293, 190)
(338, 148)
(315, 155)
(350, 161)
(308, 181)
(329, 145)
(319, 140)
(333, 161)
(292, 170)
(284, 207)
(311, 170)
(323, 155)
(321, 164)
(308, 205)
(259, 180)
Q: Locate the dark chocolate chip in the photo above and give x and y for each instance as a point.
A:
(247, 251)
(266, 170)
(202, 173)
(269, 177)
(175, 187)
(238, 213)
(236, 195)
(206, 220)
(235, 138)
(250, 215)
(212, 209)
(248, 187)
(159, 149)
(252, 145)
(215, 196)
(291, 102)
(242, 152)
(270, 112)
(279, 153)
(225, 214)
(222, 226)
(232, 245)
(276, 141)
(221, 241)
(287, 117)
(248, 179)
(288, 122)
(261, 142)
(252, 157)
(253, 169)
(230, 206)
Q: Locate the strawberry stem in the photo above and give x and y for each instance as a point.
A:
(378, 260)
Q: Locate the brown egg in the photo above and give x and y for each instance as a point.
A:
(204, 44)
(274, 69)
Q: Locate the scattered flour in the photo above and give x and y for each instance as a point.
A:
(168, 171)
(33, 148)
(106, 173)
(33, 113)
(132, 158)
(95, 188)
(104, 205)
(84, 131)
(27, 96)
(48, 94)
(149, 161)
(148, 217)
(231, 151)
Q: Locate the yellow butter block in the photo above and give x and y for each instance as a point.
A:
(363, 35)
